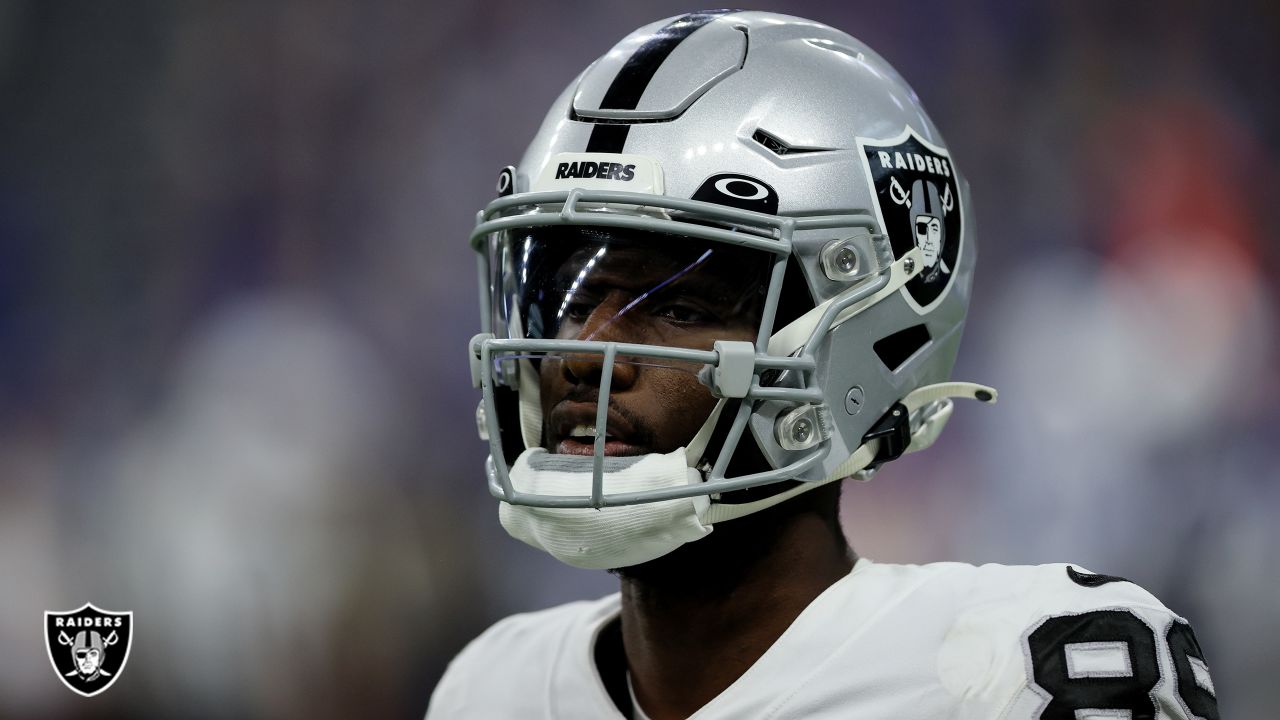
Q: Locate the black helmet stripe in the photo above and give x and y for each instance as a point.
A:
(609, 137)
(629, 84)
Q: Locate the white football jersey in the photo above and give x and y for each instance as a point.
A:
(946, 640)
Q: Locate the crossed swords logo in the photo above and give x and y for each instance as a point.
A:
(902, 197)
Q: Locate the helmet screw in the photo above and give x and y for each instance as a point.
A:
(853, 400)
(800, 433)
(840, 260)
(909, 266)
(802, 428)
(847, 259)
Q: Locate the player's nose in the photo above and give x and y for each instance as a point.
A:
(608, 322)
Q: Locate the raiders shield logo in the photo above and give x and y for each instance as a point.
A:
(88, 647)
(918, 205)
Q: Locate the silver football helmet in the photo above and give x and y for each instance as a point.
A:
(785, 171)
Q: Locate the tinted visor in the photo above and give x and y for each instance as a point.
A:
(584, 283)
(635, 288)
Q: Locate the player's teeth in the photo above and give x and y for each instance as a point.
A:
(583, 431)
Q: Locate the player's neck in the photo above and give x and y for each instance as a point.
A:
(695, 621)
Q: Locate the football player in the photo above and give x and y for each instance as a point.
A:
(730, 272)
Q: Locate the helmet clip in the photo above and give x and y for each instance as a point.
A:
(893, 430)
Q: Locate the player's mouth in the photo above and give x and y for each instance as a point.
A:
(575, 432)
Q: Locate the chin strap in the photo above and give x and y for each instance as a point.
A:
(698, 445)
(930, 406)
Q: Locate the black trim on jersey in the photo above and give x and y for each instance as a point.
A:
(629, 84)
(611, 663)
(1091, 580)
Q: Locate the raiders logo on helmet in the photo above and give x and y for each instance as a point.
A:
(88, 647)
(918, 205)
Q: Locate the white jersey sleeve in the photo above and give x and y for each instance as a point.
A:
(531, 666)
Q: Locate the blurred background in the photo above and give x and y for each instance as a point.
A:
(235, 293)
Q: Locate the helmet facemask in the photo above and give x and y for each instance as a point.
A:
(702, 302)
(596, 285)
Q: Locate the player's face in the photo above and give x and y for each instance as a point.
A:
(633, 294)
(87, 660)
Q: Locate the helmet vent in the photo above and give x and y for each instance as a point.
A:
(896, 349)
(778, 147)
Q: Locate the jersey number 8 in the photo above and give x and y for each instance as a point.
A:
(1082, 688)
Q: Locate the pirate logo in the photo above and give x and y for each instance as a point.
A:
(88, 647)
(918, 205)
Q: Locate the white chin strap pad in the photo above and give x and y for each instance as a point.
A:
(609, 537)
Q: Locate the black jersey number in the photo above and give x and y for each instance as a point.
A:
(1130, 692)
(1129, 689)
(1183, 645)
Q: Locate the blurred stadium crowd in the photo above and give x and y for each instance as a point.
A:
(235, 294)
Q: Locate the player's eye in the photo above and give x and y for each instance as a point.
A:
(683, 314)
(579, 308)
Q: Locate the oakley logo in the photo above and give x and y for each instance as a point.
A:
(742, 188)
(506, 181)
(740, 191)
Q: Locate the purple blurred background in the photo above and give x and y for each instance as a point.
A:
(235, 293)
